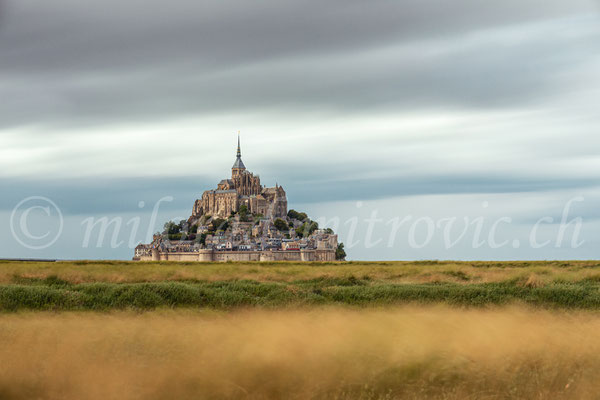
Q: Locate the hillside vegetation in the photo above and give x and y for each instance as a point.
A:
(105, 285)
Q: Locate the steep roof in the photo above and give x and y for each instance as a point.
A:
(239, 164)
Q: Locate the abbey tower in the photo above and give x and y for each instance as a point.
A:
(243, 188)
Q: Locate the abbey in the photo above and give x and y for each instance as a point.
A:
(241, 220)
(243, 188)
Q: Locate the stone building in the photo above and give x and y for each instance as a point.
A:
(243, 188)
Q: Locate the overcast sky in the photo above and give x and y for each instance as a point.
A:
(413, 107)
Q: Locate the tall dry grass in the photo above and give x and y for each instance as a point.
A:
(409, 352)
(545, 272)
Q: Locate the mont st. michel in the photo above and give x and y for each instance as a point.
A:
(242, 220)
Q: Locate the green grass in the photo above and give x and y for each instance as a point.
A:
(55, 294)
(108, 285)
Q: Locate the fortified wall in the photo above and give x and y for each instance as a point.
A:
(210, 255)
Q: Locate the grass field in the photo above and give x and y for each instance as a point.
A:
(122, 285)
(425, 330)
(390, 272)
(323, 353)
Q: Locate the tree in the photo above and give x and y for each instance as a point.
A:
(171, 228)
(329, 230)
(203, 239)
(307, 228)
(300, 216)
(281, 225)
(292, 214)
(183, 225)
(244, 213)
(219, 224)
(194, 228)
(175, 237)
(340, 253)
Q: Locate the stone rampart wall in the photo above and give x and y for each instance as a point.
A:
(223, 256)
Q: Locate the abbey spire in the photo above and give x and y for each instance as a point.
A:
(238, 166)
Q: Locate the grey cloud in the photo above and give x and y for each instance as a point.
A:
(100, 195)
(67, 35)
(572, 204)
(69, 62)
(122, 195)
(487, 75)
(369, 189)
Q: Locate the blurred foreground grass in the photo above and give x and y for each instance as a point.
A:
(411, 352)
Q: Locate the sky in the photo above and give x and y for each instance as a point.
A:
(418, 129)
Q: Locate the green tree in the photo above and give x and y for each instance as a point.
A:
(183, 225)
(219, 224)
(293, 214)
(244, 213)
(307, 228)
(194, 229)
(203, 239)
(171, 228)
(300, 216)
(281, 225)
(340, 253)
